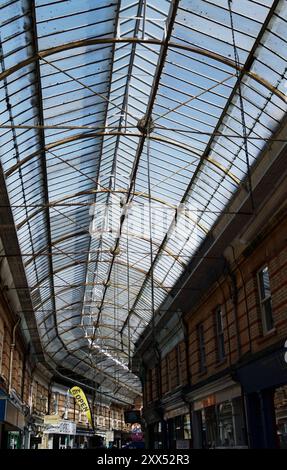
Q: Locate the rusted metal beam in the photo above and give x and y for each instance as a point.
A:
(121, 263)
(126, 40)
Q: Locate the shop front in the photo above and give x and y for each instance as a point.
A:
(58, 433)
(280, 405)
(36, 428)
(264, 382)
(82, 438)
(154, 427)
(12, 421)
(176, 421)
(218, 415)
(178, 427)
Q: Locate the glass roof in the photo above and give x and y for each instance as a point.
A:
(108, 213)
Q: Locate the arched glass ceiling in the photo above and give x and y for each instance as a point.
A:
(75, 79)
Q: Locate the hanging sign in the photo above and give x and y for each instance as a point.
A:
(83, 403)
(61, 427)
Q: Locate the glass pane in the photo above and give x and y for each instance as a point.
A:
(264, 283)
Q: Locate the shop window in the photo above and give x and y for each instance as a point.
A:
(179, 427)
(66, 406)
(219, 331)
(280, 407)
(265, 299)
(223, 425)
(226, 433)
(201, 348)
(186, 426)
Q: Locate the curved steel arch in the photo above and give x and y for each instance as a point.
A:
(74, 327)
(151, 137)
(66, 289)
(80, 315)
(121, 191)
(92, 261)
(101, 372)
(109, 327)
(39, 306)
(71, 341)
(193, 152)
(59, 240)
(171, 45)
(68, 343)
(79, 302)
(83, 232)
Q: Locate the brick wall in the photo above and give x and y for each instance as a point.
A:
(270, 251)
(7, 322)
(33, 390)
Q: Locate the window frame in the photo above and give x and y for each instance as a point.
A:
(264, 301)
(2, 341)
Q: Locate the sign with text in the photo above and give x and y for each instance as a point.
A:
(62, 427)
(51, 419)
(83, 403)
(208, 401)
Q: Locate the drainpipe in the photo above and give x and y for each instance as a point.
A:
(227, 320)
(234, 298)
(26, 354)
(159, 385)
(245, 297)
(50, 391)
(12, 347)
(184, 326)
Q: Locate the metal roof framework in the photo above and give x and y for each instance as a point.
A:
(76, 77)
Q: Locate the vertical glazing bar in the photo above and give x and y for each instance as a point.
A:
(144, 18)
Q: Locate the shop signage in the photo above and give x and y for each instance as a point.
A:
(176, 412)
(83, 403)
(208, 401)
(51, 419)
(62, 427)
(12, 415)
(285, 355)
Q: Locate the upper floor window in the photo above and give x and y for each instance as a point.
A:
(1, 344)
(219, 331)
(55, 403)
(201, 347)
(66, 406)
(265, 299)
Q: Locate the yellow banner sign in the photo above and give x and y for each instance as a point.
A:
(83, 403)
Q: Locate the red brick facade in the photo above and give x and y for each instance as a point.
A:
(270, 250)
(34, 391)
